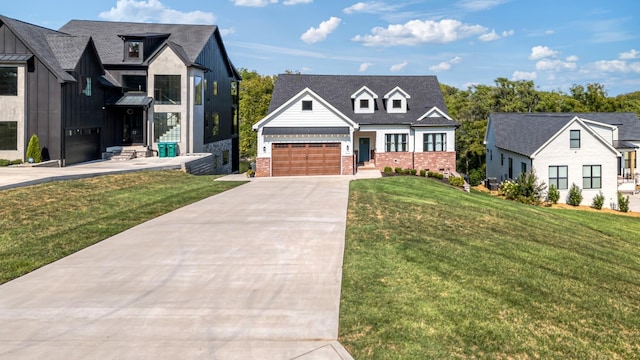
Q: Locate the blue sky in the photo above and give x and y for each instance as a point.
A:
(554, 43)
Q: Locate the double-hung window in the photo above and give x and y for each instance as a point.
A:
(435, 142)
(591, 177)
(574, 139)
(396, 143)
(558, 176)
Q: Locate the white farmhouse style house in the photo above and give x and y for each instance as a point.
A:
(330, 124)
(595, 151)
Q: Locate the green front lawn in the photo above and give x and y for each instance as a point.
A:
(43, 223)
(431, 272)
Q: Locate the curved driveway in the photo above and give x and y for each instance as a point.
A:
(252, 273)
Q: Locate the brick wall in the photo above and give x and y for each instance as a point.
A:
(263, 167)
(434, 161)
(347, 165)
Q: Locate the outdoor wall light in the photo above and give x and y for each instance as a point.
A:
(264, 149)
(347, 147)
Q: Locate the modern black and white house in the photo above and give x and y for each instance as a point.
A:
(96, 86)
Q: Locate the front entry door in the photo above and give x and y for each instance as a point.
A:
(363, 150)
(132, 127)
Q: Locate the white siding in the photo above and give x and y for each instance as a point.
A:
(364, 95)
(12, 108)
(381, 131)
(591, 152)
(294, 116)
(419, 137)
(397, 95)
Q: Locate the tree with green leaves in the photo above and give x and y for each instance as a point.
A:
(33, 149)
(255, 96)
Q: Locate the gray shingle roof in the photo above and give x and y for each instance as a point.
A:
(67, 49)
(36, 39)
(524, 133)
(105, 34)
(337, 90)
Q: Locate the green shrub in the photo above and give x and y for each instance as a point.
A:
(475, 177)
(598, 201)
(414, 172)
(524, 189)
(554, 194)
(423, 172)
(33, 149)
(623, 203)
(406, 171)
(575, 195)
(398, 170)
(456, 181)
(388, 169)
(510, 189)
(4, 162)
(15, 162)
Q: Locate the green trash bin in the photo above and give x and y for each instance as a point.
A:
(162, 150)
(171, 149)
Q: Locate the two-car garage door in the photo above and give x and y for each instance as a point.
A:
(306, 159)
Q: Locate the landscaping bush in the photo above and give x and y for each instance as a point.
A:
(475, 177)
(423, 172)
(554, 194)
(575, 195)
(398, 170)
(456, 181)
(4, 162)
(15, 162)
(436, 175)
(33, 149)
(524, 189)
(406, 171)
(388, 169)
(623, 203)
(598, 201)
(414, 172)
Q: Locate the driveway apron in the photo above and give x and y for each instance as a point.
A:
(252, 273)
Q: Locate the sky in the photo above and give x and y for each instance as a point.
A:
(557, 44)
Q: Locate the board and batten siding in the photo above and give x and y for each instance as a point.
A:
(592, 151)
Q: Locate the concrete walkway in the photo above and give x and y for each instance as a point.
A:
(252, 273)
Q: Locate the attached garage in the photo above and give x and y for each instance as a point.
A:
(299, 159)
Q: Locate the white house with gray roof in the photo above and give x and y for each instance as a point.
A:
(595, 151)
(330, 124)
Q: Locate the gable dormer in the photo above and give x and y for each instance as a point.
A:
(137, 47)
(364, 101)
(396, 101)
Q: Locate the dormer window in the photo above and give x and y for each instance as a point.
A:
(133, 49)
(364, 104)
(396, 100)
(364, 101)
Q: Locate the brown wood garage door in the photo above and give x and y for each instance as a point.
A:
(305, 159)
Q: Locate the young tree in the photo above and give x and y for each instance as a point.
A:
(255, 96)
(33, 149)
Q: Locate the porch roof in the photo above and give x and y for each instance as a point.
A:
(624, 145)
(130, 99)
(340, 130)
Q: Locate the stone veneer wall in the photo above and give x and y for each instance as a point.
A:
(433, 161)
(347, 165)
(263, 167)
(217, 148)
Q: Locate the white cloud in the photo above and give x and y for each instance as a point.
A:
(523, 75)
(416, 32)
(154, 11)
(572, 58)
(555, 65)
(254, 3)
(541, 52)
(549, 32)
(479, 5)
(617, 66)
(296, 2)
(229, 31)
(446, 65)
(492, 36)
(365, 66)
(398, 67)
(631, 54)
(370, 7)
(320, 33)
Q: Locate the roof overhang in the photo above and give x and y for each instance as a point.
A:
(621, 145)
(341, 130)
(14, 58)
(130, 100)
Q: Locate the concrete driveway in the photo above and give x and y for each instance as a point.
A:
(252, 273)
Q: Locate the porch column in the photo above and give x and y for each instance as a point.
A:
(632, 161)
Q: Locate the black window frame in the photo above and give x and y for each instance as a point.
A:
(307, 105)
(510, 168)
(8, 81)
(8, 135)
(429, 142)
(556, 180)
(574, 141)
(523, 167)
(364, 104)
(171, 86)
(129, 81)
(588, 179)
(396, 140)
(396, 104)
